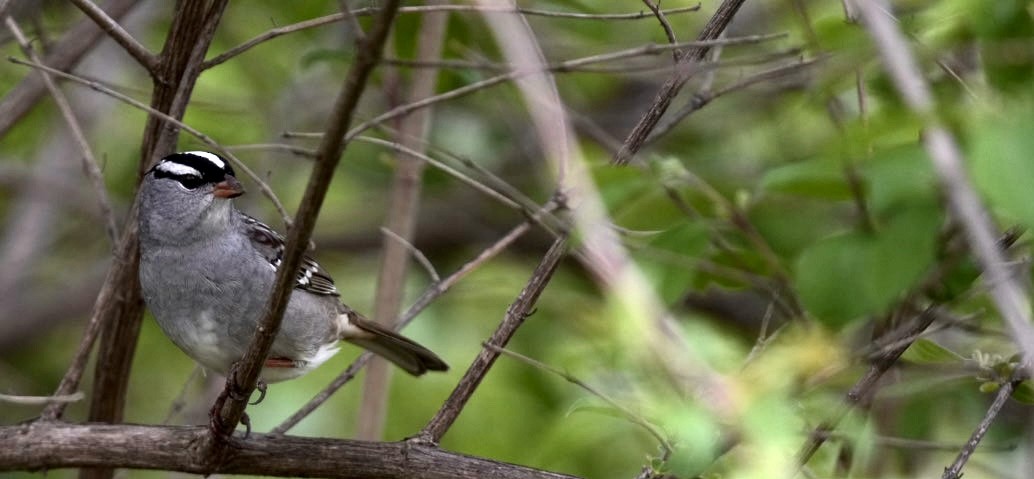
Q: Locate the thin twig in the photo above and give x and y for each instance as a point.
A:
(415, 252)
(353, 22)
(656, 9)
(1009, 297)
(916, 444)
(704, 98)
(41, 400)
(316, 22)
(866, 383)
(432, 293)
(515, 316)
(650, 49)
(443, 167)
(134, 48)
(89, 162)
(266, 190)
(64, 54)
(715, 26)
(629, 414)
(1004, 391)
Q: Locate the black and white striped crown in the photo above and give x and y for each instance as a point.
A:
(193, 168)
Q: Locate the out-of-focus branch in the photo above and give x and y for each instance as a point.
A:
(515, 316)
(48, 446)
(683, 71)
(861, 388)
(1004, 391)
(110, 26)
(1008, 295)
(90, 166)
(229, 410)
(63, 55)
(317, 22)
(403, 207)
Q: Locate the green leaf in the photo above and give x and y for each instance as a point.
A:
(857, 274)
(1001, 163)
(819, 178)
(925, 351)
(1024, 393)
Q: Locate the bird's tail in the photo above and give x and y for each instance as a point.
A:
(404, 352)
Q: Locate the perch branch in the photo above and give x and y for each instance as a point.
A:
(48, 445)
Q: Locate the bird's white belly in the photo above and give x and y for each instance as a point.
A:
(203, 342)
(304, 365)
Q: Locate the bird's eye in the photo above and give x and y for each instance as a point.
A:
(190, 182)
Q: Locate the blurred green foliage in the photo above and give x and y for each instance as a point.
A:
(756, 197)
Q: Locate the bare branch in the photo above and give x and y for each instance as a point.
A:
(415, 252)
(861, 388)
(227, 412)
(49, 446)
(317, 22)
(515, 316)
(1004, 391)
(263, 186)
(702, 99)
(63, 55)
(41, 400)
(665, 25)
(715, 26)
(89, 163)
(432, 293)
(135, 49)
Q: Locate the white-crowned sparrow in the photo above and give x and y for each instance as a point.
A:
(207, 271)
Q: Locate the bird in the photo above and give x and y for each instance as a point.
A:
(207, 271)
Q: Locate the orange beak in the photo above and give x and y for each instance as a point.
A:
(228, 188)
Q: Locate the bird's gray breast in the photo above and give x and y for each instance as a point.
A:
(206, 297)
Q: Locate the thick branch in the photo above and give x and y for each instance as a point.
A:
(45, 446)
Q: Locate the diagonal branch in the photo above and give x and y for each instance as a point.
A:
(1005, 390)
(63, 55)
(432, 293)
(229, 410)
(134, 48)
(90, 167)
(683, 71)
(515, 316)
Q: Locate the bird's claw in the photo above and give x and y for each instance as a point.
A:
(261, 387)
